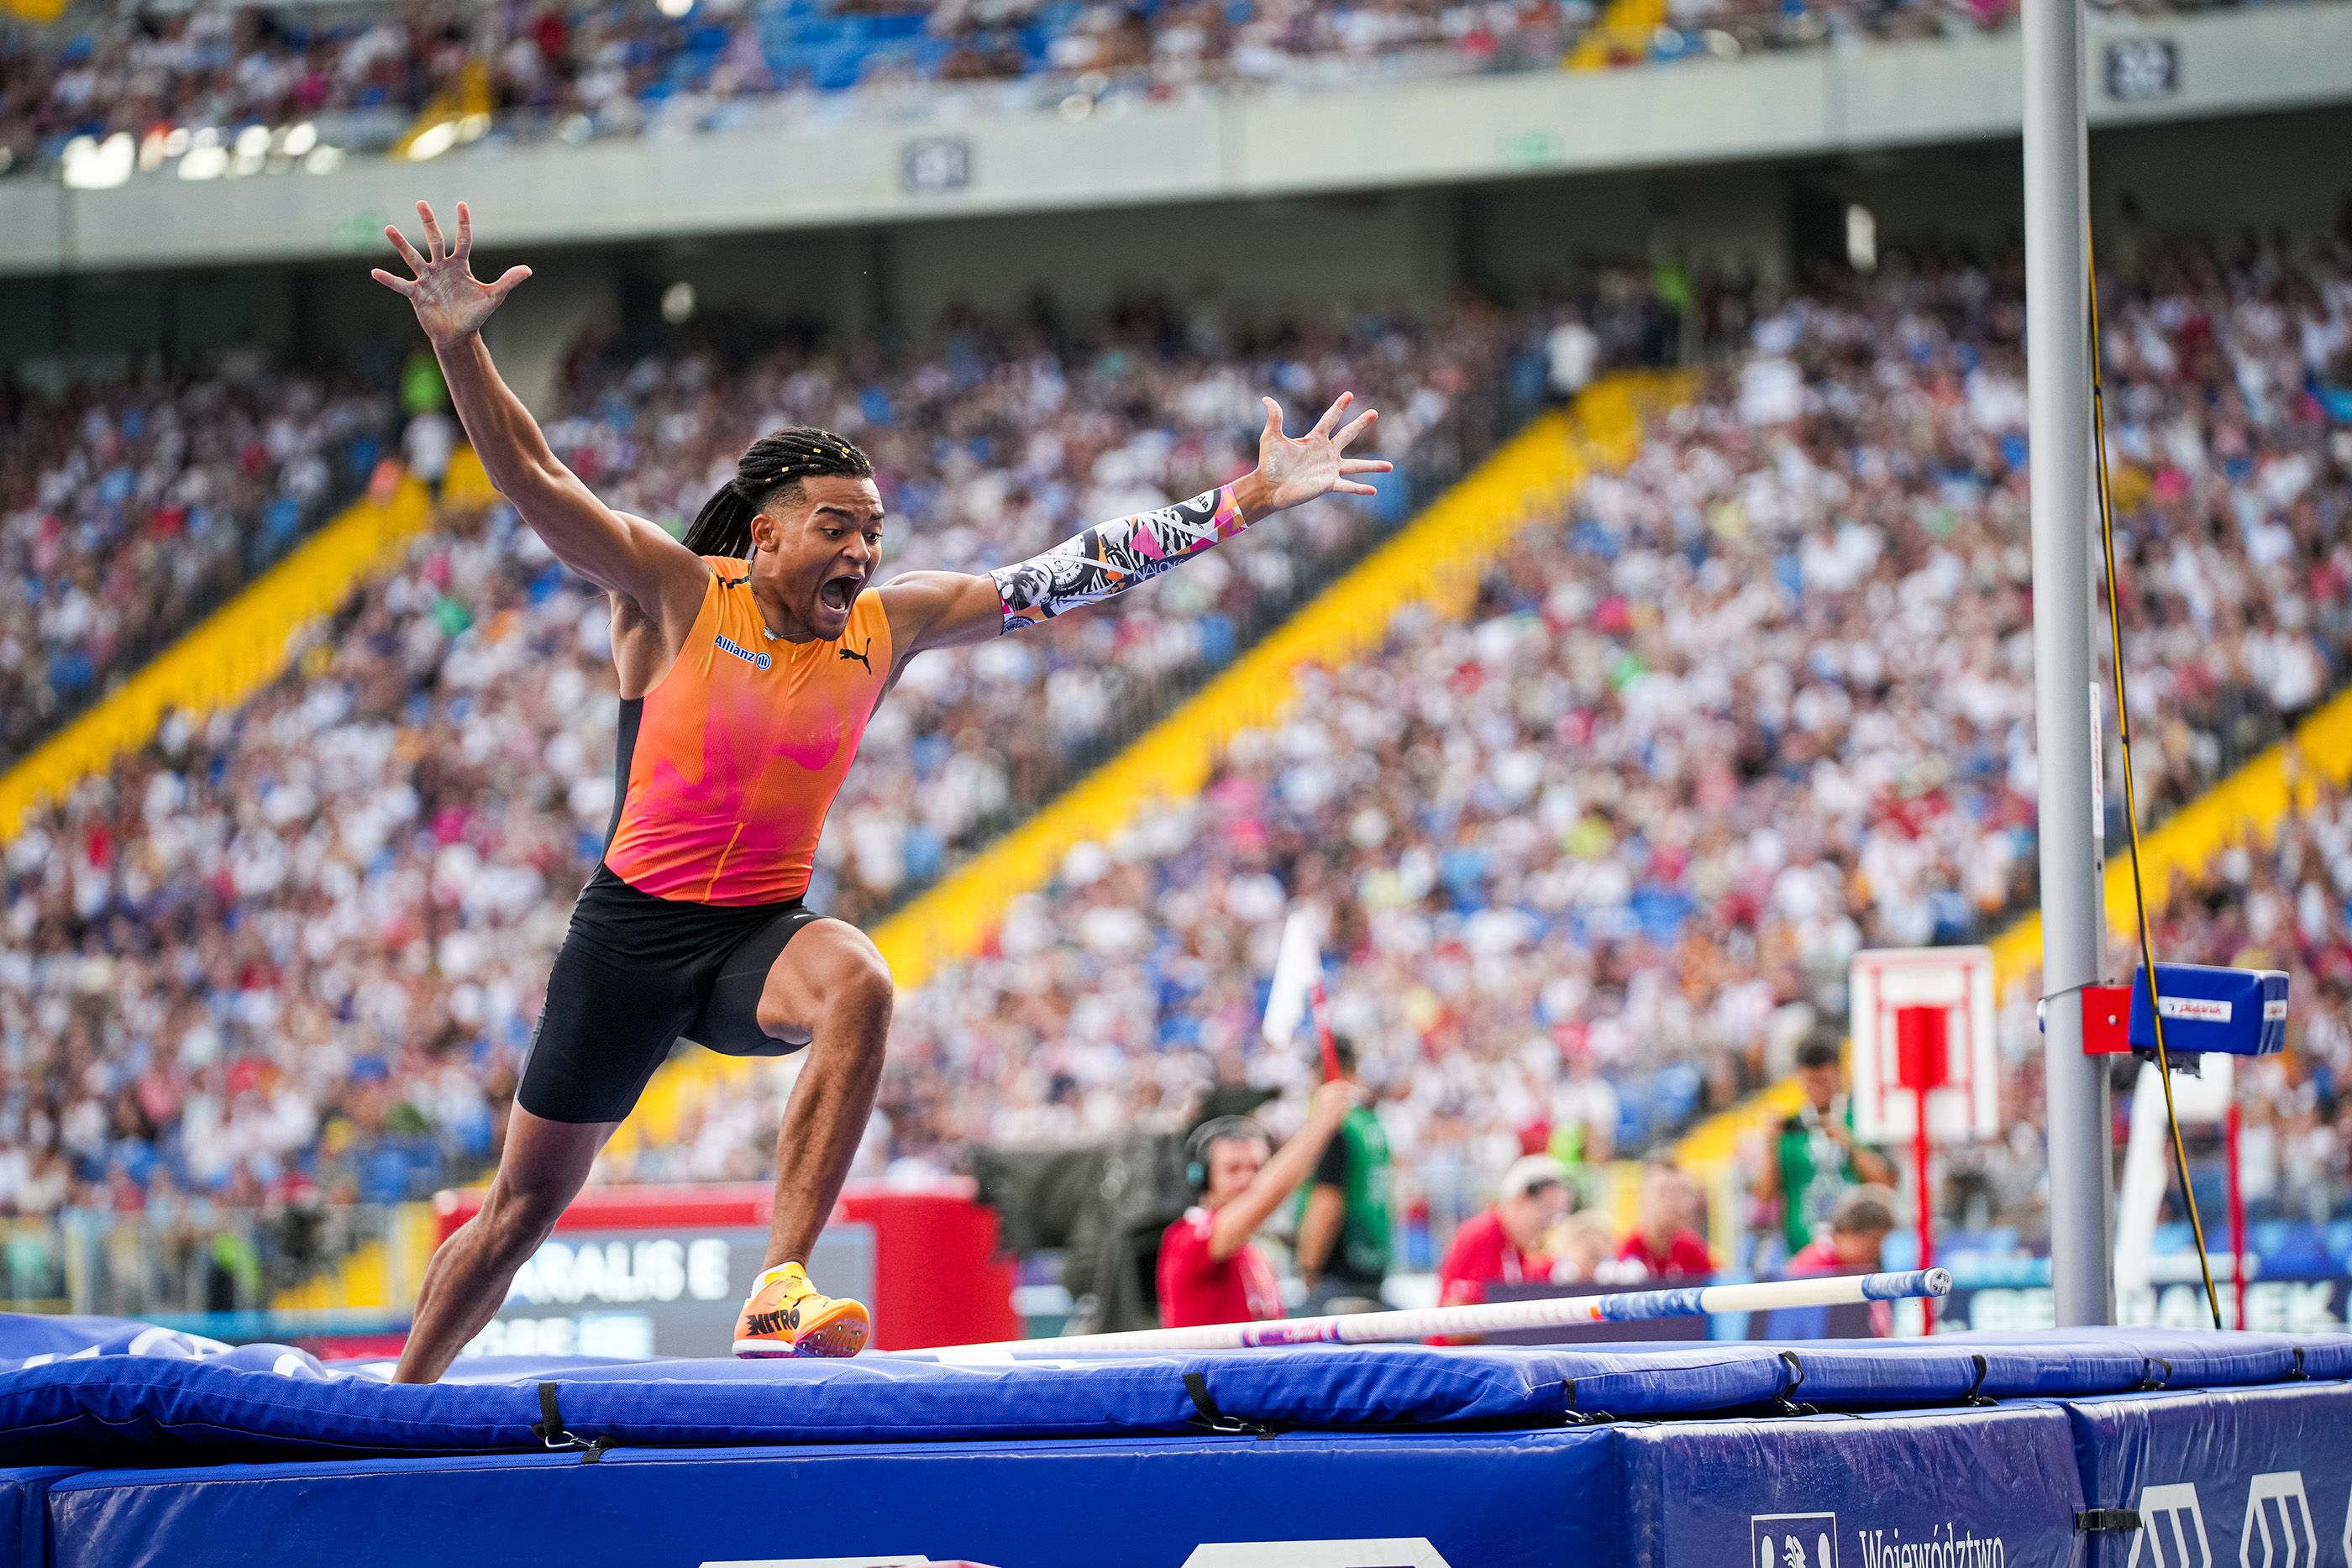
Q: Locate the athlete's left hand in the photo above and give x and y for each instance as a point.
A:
(1291, 473)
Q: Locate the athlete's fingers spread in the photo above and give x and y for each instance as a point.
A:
(1350, 487)
(1354, 428)
(1365, 465)
(1331, 416)
(407, 251)
(465, 232)
(509, 279)
(400, 286)
(432, 230)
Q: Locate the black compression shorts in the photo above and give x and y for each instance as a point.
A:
(636, 973)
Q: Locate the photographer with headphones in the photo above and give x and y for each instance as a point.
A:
(1209, 1270)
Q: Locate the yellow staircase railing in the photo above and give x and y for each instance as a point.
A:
(379, 1275)
(2254, 800)
(239, 647)
(1435, 558)
(1621, 34)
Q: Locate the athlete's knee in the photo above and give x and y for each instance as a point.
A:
(863, 984)
(840, 977)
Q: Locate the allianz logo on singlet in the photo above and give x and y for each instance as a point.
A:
(757, 660)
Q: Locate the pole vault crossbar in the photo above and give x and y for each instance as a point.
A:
(1496, 1317)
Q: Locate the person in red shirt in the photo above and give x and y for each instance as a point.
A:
(1857, 1231)
(1209, 1270)
(1663, 1239)
(1850, 1244)
(1504, 1244)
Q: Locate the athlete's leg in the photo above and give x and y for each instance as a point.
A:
(615, 997)
(831, 990)
(542, 1169)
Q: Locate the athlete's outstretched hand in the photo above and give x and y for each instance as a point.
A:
(450, 300)
(1291, 473)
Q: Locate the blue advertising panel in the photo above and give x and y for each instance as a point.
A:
(1528, 1500)
(2289, 1301)
(2258, 1476)
(1963, 1489)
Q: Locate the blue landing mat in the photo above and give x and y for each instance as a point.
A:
(1595, 1497)
(102, 1391)
(1975, 1451)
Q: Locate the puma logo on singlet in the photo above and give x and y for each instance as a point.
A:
(757, 660)
(860, 655)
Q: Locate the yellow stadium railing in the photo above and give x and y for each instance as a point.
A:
(1436, 558)
(445, 120)
(2254, 801)
(1622, 33)
(239, 646)
(383, 1274)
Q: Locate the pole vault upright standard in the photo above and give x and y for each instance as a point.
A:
(1493, 1317)
(2058, 388)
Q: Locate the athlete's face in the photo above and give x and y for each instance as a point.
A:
(815, 548)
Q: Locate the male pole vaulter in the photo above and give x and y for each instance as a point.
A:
(751, 656)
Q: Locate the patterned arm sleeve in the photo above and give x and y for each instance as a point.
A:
(1111, 558)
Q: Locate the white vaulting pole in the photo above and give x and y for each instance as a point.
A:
(1492, 1317)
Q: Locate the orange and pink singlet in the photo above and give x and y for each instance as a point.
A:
(725, 770)
(736, 753)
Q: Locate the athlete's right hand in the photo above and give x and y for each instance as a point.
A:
(450, 301)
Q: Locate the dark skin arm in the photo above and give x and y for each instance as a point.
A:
(656, 583)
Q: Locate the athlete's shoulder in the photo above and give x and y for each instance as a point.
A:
(732, 571)
(869, 620)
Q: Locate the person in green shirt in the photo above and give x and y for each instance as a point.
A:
(1814, 1158)
(1345, 1232)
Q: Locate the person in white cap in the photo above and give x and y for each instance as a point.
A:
(1501, 1246)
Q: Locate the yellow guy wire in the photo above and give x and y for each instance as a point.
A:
(2131, 797)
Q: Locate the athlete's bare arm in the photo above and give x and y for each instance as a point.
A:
(629, 556)
(948, 608)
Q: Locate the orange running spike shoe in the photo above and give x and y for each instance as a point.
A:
(788, 1316)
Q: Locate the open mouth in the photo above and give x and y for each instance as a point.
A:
(838, 592)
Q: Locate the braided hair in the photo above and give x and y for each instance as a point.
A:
(778, 461)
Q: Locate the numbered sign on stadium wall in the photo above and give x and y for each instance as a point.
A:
(1957, 981)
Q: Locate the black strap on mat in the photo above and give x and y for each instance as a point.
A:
(549, 1429)
(2107, 1520)
(1788, 1403)
(1976, 1394)
(1216, 1420)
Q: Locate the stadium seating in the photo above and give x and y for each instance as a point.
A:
(1603, 855)
(128, 509)
(345, 891)
(1595, 855)
(200, 79)
(992, 444)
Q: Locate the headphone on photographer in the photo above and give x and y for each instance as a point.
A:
(1210, 1133)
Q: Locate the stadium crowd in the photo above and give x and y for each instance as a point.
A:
(1591, 860)
(129, 508)
(1600, 856)
(303, 944)
(359, 74)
